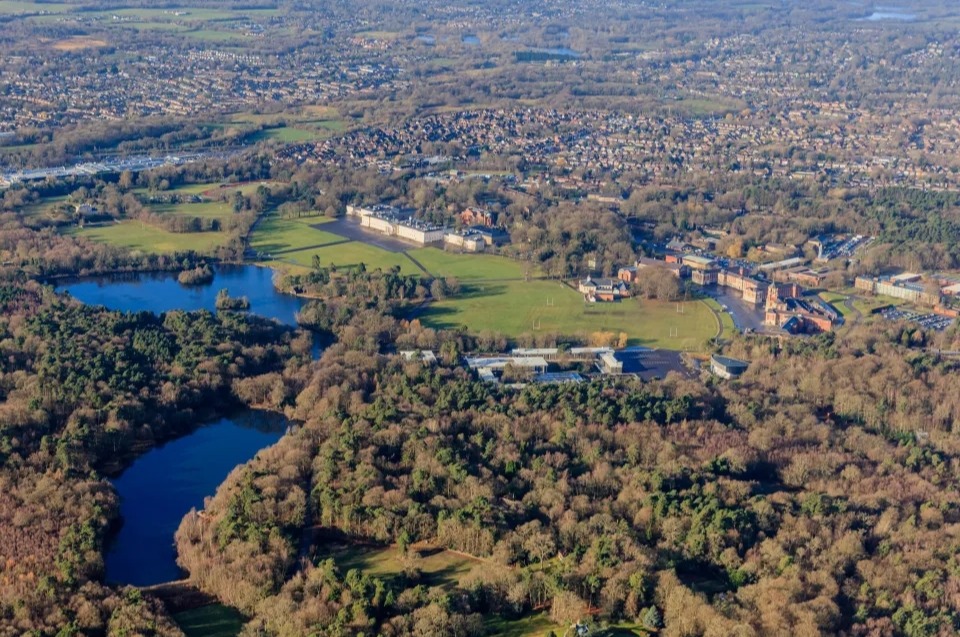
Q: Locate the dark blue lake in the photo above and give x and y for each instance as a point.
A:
(161, 292)
(162, 485)
(166, 482)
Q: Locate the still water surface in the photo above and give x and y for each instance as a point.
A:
(166, 482)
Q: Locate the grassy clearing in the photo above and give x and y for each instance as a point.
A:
(538, 625)
(78, 43)
(186, 14)
(306, 124)
(517, 307)
(15, 7)
(140, 236)
(215, 620)
(295, 242)
(439, 567)
(726, 321)
(869, 303)
(837, 300)
(467, 267)
(288, 135)
(378, 35)
(204, 210)
(210, 35)
(210, 190)
(42, 207)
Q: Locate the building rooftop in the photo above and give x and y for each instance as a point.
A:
(729, 363)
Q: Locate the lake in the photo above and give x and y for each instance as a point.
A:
(166, 482)
(161, 292)
(162, 485)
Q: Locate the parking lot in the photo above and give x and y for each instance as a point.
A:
(927, 321)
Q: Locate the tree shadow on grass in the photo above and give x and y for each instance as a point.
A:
(451, 315)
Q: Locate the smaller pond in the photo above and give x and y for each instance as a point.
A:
(470, 39)
(162, 485)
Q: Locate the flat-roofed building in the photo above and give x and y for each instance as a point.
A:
(726, 367)
(607, 363)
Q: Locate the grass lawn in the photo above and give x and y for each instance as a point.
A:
(515, 307)
(538, 625)
(209, 35)
(204, 210)
(16, 7)
(867, 304)
(287, 134)
(725, 319)
(41, 207)
(139, 236)
(215, 620)
(378, 35)
(210, 190)
(837, 300)
(439, 567)
(467, 267)
(294, 242)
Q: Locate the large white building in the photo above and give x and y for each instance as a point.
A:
(393, 222)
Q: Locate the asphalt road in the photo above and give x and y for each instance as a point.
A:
(351, 229)
(744, 315)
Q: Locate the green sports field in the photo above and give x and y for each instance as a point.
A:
(469, 267)
(146, 238)
(520, 307)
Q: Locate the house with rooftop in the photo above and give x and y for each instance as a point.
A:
(606, 290)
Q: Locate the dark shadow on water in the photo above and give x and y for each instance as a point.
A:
(162, 485)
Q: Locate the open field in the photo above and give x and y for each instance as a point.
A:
(211, 190)
(309, 123)
(295, 242)
(439, 567)
(867, 304)
(140, 236)
(78, 43)
(186, 14)
(539, 625)
(16, 7)
(215, 620)
(42, 207)
(518, 307)
(288, 135)
(467, 267)
(204, 210)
